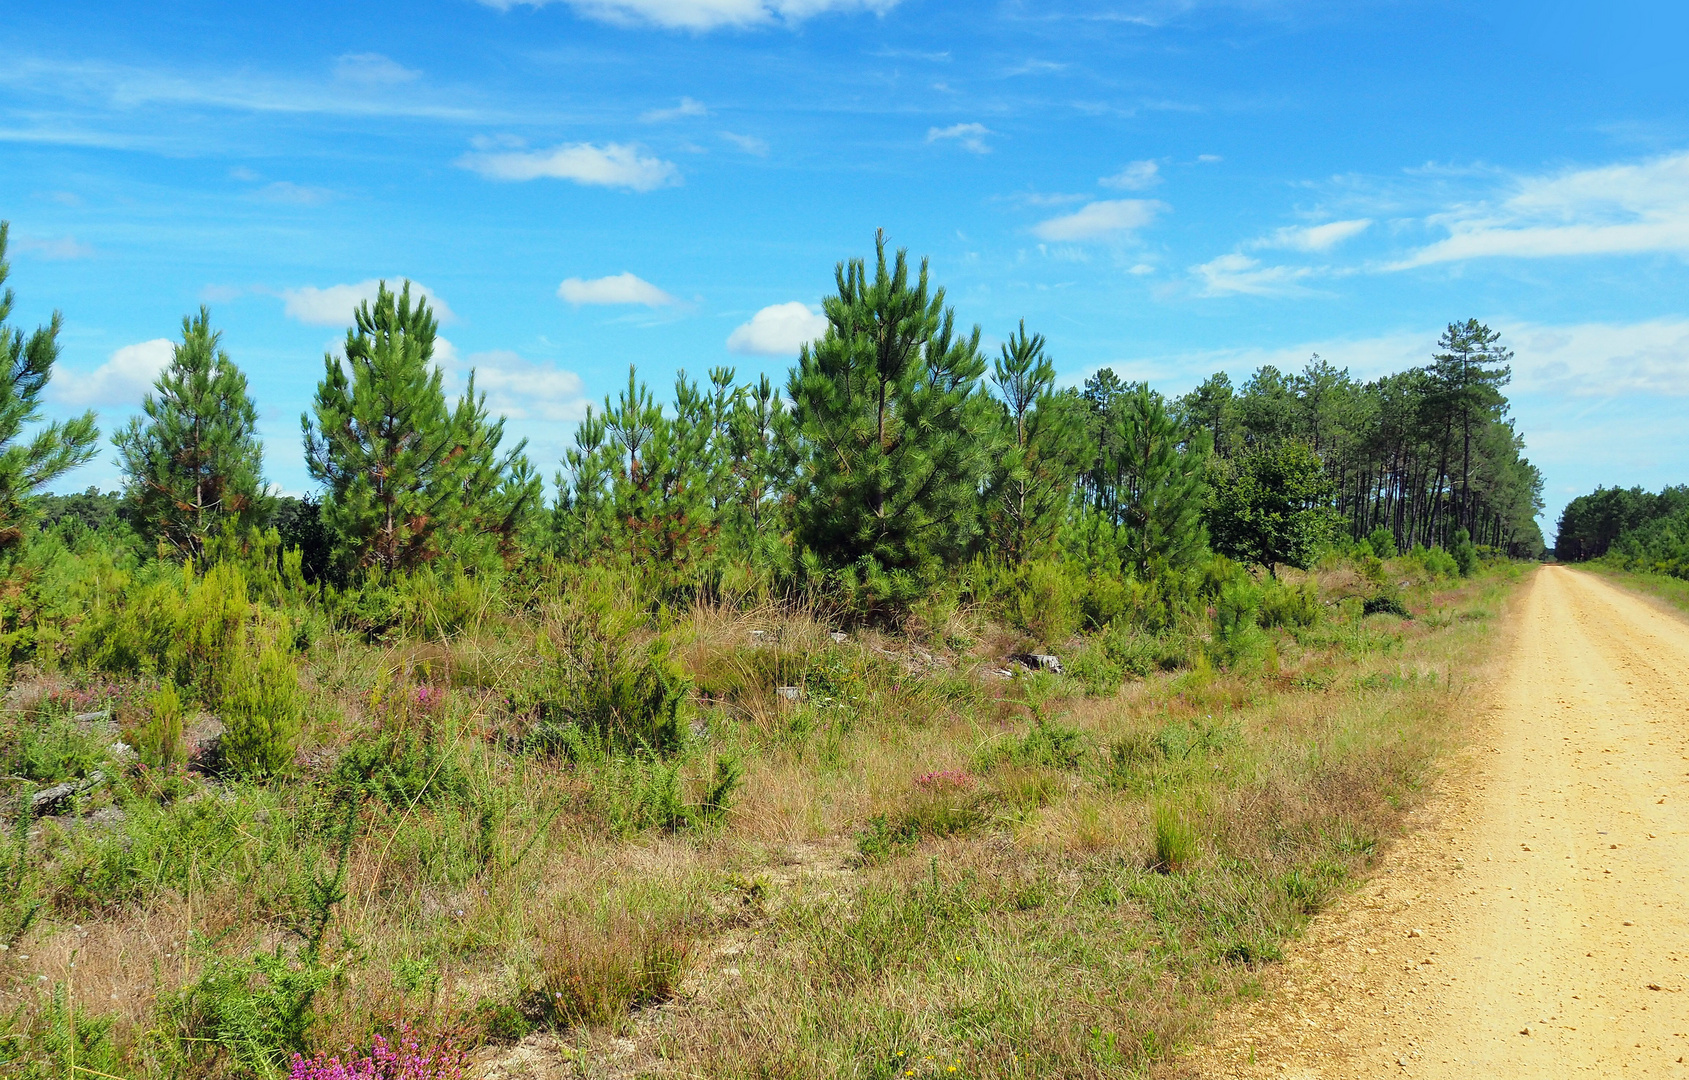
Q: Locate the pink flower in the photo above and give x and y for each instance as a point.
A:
(407, 1061)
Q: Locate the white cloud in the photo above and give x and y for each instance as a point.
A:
(623, 288)
(687, 107)
(372, 69)
(1136, 176)
(1095, 220)
(778, 330)
(1210, 159)
(971, 136)
(123, 380)
(1601, 359)
(1234, 273)
(517, 387)
(333, 306)
(750, 144)
(1612, 210)
(617, 165)
(1316, 237)
(705, 14)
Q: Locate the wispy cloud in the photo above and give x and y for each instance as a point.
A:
(1097, 220)
(623, 288)
(1626, 209)
(129, 87)
(704, 14)
(1315, 238)
(1235, 274)
(287, 192)
(1135, 176)
(616, 165)
(750, 144)
(53, 247)
(373, 69)
(778, 330)
(333, 305)
(687, 107)
(970, 136)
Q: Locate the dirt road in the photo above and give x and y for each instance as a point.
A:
(1539, 924)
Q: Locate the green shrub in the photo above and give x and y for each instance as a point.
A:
(262, 714)
(158, 739)
(1238, 641)
(1046, 743)
(1284, 605)
(1383, 542)
(49, 746)
(1465, 553)
(1045, 602)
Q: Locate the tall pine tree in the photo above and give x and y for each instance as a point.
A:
(892, 426)
(196, 465)
(405, 476)
(26, 364)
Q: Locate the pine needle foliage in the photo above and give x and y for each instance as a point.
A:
(196, 465)
(26, 365)
(405, 474)
(893, 427)
(1043, 442)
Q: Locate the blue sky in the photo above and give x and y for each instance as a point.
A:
(1169, 187)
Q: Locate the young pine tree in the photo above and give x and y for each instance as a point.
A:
(1043, 440)
(196, 465)
(26, 364)
(894, 433)
(1161, 487)
(404, 474)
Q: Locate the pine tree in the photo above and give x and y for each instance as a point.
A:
(54, 450)
(195, 466)
(1467, 377)
(892, 427)
(1043, 439)
(406, 477)
(1161, 485)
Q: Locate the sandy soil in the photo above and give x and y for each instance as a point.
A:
(1536, 923)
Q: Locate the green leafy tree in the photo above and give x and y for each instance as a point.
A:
(1043, 439)
(196, 465)
(57, 448)
(892, 426)
(406, 476)
(1273, 505)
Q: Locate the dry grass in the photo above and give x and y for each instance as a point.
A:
(1047, 916)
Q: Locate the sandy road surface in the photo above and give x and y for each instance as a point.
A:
(1548, 891)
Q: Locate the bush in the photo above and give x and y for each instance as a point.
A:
(1045, 602)
(1383, 542)
(262, 715)
(1238, 640)
(158, 740)
(1283, 605)
(1465, 553)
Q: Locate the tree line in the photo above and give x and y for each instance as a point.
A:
(896, 453)
(1639, 529)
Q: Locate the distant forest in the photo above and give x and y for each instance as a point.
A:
(1636, 529)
